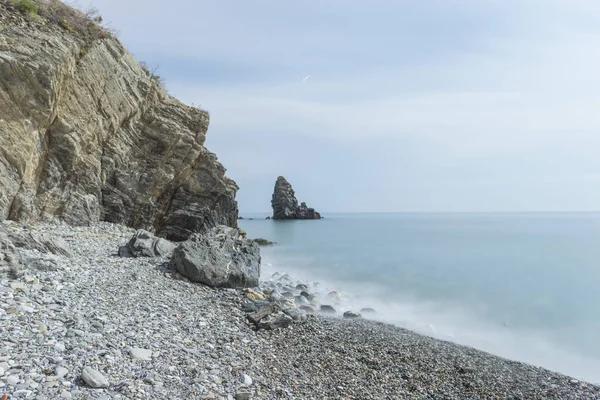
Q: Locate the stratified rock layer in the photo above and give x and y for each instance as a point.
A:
(87, 134)
(285, 204)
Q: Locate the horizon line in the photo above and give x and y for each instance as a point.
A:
(446, 212)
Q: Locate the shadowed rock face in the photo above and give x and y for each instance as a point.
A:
(86, 134)
(285, 204)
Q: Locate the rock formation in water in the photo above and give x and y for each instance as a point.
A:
(285, 205)
(87, 133)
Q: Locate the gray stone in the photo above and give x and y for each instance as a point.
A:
(243, 395)
(12, 380)
(275, 320)
(22, 393)
(141, 354)
(368, 310)
(245, 379)
(301, 301)
(285, 205)
(326, 309)
(145, 244)
(307, 295)
(61, 371)
(295, 314)
(352, 315)
(263, 312)
(249, 307)
(263, 242)
(94, 378)
(220, 258)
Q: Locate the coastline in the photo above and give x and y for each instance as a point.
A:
(98, 310)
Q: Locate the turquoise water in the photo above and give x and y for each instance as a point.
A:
(522, 286)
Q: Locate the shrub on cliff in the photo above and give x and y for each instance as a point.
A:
(85, 24)
(30, 7)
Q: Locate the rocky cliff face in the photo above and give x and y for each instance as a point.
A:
(87, 134)
(285, 204)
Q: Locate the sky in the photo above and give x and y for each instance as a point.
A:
(387, 106)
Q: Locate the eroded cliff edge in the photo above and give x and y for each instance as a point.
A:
(88, 134)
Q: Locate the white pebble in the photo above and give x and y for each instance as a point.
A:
(141, 354)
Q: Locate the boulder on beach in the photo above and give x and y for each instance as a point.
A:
(220, 258)
(263, 242)
(145, 244)
(326, 309)
(285, 205)
(352, 315)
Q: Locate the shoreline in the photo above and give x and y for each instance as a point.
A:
(152, 333)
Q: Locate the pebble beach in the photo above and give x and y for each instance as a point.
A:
(93, 325)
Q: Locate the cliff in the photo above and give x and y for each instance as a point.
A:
(285, 205)
(88, 134)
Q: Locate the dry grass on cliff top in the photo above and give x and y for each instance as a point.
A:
(86, 24)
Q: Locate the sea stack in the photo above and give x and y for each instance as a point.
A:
(285, 205)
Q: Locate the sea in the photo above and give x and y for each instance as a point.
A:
(523, 286)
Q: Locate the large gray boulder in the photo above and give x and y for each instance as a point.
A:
(285, 204)
(222, 257)
(145, 244)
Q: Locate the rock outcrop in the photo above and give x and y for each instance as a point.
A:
(285, 205)
(145, 244)
(263, 242)
(13, 263)
(222, 257)
(87, 133)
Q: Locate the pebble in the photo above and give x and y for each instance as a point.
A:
(12, 380)
(243, 395)
(141, 354)
(94, 378)
(245, 379)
